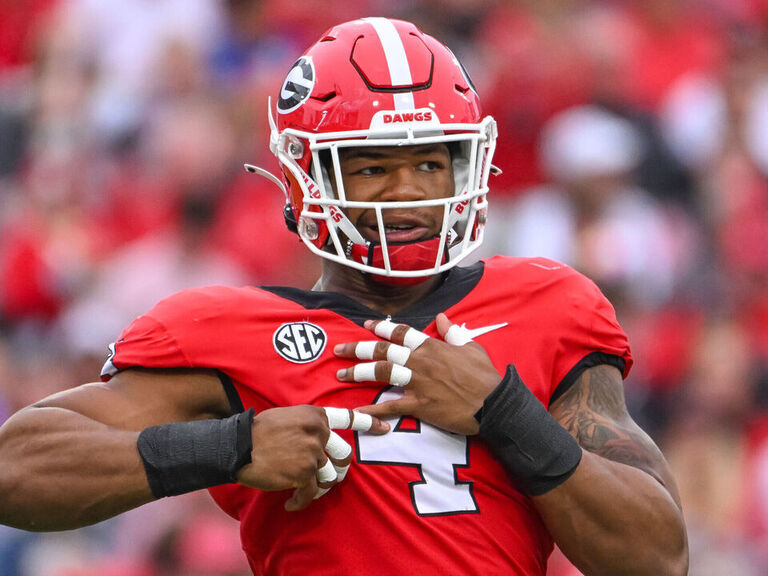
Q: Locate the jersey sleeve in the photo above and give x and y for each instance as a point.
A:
(144, 343)
(591, 336)
(159, 338)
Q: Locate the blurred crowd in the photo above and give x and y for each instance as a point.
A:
(634, 145)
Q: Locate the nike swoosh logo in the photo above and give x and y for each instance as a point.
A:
(473, 332)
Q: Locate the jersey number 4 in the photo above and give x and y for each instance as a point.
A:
(436, 454)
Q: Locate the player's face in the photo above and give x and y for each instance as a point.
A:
(389, 174)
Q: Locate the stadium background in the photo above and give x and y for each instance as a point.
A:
(634, 144)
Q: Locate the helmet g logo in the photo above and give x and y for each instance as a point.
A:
(299, 342)
(297, 86)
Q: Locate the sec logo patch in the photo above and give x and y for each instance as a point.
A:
(299, 342)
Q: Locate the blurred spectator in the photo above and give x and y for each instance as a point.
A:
(668, 40)
(529, 68)
(594, 216)
(124, 42)
(708, 116)
(250, 48)
(19, 30)
(707, 450)
(190, 149)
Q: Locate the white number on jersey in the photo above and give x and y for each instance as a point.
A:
(436, 453)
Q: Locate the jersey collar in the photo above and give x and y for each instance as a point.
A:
(459, 282)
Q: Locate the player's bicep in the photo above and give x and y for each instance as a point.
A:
(137, 398)
(594, 411)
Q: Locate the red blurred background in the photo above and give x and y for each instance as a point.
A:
(634, 144)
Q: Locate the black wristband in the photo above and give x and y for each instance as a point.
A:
(184, 456)
(534, 449)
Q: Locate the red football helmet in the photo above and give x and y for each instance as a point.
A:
(380, 82)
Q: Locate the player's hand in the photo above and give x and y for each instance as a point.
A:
(295, 447)
(444, 380)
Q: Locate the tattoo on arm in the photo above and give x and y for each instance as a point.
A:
(594, 412)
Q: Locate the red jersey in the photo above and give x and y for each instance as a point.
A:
(417, 500)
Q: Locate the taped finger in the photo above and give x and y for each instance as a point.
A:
(398, 354)
(338, 418)
(343, 418)
(337, 448)
(400, 375)
(361, 422)
(326, 473)
(341, 472)
(414, 338)
(366, 372)
(366, 350)
(457, 335)
(385, 328)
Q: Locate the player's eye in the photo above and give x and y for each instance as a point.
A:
(431, 166)
(370, 170)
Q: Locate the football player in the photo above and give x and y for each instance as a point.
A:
(499, 383)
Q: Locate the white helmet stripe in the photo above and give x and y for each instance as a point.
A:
(397, 62)
(404, 101)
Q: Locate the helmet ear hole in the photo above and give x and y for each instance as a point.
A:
(290, 219)
(324, 171)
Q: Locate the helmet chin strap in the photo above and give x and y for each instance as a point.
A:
(418, 255)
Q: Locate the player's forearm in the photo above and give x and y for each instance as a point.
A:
(60, 470)
(610, 518)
